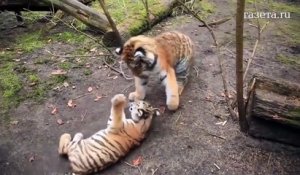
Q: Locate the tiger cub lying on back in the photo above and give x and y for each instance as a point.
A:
(107, 146)
(168, 54)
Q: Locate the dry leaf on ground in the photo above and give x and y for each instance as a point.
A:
(54, 110)
(14, 122)
(90, 89)
(71, 104)
(137, 161)
(98, 98)
(31, 158)
(60, 121)
(58, 72)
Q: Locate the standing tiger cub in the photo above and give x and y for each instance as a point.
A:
(107, 146)
(169, 55)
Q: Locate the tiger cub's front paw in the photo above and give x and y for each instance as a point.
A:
(133, 96)
(173, 102)
(118, 99)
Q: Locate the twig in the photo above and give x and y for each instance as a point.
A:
(71, 56)
(179, 115)
(155, 170)
(217, 166)
(80, 96)
(220, 137)
(133, 166)
(201, 20)
(122, 72)
(227, 99)
(116, 70)
(218, 22)
(254, 48)
(197, 70)
(83, 115)
(125, 89)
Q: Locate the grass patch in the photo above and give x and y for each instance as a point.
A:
(206, 8)
(33, 78)
(290, 30)
(6, 56)
(65, 65)
(10, 85)
(30, 42)
(285, 7)
(69, 37)
(87, 72)
(289, 60)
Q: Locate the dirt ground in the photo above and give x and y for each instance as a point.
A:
(188, 141)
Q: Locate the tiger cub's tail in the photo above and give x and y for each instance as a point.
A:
(64, 141)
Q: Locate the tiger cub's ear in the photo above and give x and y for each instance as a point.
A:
(119, 50)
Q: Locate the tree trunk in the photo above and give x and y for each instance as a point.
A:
(83, 13)
(239, 64)
(116, 39)
(276, 104)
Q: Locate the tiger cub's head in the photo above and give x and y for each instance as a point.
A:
(139, 53)
(142, 113)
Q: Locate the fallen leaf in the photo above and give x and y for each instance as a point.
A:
(59, 121)
(31, 158)
(73, 87)
(190, 101)
(115, 77)
(58, 72)
(54, 111)
(90, 89)
(66, 84)
(14, 122)
(71, 104)
(137, 161)
(87, 65)
(98, 98)
(93, 49)
(230, 96)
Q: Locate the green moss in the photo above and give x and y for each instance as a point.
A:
(65, 65)
(57, 79)
(290, 30)
(285, 7)
(87, 72)
(10, 85)
(33, 78)
(6, 56)
(43, 61)
(30, 42)
(69, 37)
(206, 8)
(31, 16)
(289, 60)
(295, 113)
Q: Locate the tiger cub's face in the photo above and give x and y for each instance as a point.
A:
(136, 55)
(142, 111)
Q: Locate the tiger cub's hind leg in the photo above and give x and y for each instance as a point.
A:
(64, 141)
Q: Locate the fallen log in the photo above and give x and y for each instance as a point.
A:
(83, 13)
(274, 104)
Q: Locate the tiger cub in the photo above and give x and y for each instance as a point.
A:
(168, 55)
(107, 146)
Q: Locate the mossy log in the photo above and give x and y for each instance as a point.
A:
(83, 13)
(276, 102)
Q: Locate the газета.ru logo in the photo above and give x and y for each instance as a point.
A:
(269, 15)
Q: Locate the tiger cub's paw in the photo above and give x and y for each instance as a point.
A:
(118, 99)
(133, 96)
(173, 103)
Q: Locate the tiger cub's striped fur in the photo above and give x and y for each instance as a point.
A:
(168, 54)
(107, 146)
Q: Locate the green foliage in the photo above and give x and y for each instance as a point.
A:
(30, 42)
(206, 8)
(285, 7)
